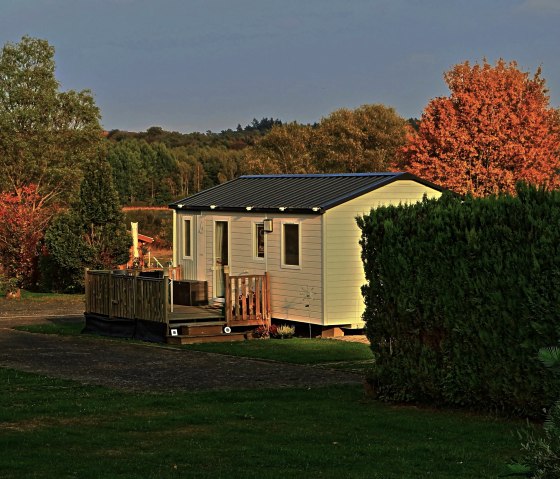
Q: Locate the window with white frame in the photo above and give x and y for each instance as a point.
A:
(291, 249)
(187, 237)
(258, 241)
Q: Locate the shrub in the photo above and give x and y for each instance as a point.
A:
(264, 331)
(284, 331)
(542, 452)
(460, 297)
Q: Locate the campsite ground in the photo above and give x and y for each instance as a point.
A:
(35, 307)
(133, 410)
(135, 365)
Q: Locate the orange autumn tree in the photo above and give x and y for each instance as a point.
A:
(494, 129)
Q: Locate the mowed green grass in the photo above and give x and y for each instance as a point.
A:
(62, 326)
(54, 428)
(295, 350)
(328, 352)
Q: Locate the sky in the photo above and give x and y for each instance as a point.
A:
(199, 65)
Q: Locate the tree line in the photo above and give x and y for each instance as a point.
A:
(157, 166)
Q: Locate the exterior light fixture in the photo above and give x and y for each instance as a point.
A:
(315, 208)
(267, 225)
(282, 208)
(180, 205)
(248, 208)
(212, 207)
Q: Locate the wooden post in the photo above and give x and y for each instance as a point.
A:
(166, 296)
(267, 288)
(110, 294)
(88, 290)
(258, 297)
(228, 299)
(134, 294)
(236, 296)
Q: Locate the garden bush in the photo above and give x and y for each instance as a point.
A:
(460, 297)
(541, 459)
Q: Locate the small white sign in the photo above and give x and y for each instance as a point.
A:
(174, 332)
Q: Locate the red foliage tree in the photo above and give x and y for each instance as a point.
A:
(495, 129)
(22, 225)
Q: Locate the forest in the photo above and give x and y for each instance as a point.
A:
(157, 166)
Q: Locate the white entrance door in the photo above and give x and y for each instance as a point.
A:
(221, 257)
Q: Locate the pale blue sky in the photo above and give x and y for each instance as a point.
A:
(197, 65)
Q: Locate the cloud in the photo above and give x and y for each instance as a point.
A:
(541, 6)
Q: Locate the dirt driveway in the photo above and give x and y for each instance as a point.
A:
(144, 367)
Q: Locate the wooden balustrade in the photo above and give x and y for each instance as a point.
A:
(247, 299)
(126, 295)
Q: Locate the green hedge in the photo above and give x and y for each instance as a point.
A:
(460, 296)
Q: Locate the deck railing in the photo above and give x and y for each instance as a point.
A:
(123, 294)
(247, 299)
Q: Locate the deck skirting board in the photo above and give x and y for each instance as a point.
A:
(125, 328)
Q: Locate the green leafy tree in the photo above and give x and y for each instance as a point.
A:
(92, 233)
(283, 150)
(128, 173)
(365, 139)
(45, 135)
(164, 173)
(186, 166)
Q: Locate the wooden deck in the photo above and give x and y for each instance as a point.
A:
(196, 313)
(124, 295)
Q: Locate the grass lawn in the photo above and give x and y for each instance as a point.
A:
(64, 327)
(53, 428)
(34, 296)
(295, 350)
(327, 352)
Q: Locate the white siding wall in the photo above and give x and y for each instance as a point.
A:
(296, 294)
(344, 275)
(291, 289)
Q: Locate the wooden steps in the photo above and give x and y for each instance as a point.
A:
(211, 338)
(201, 329)
(204, 332)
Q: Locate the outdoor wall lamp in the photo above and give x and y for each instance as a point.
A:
(267, 225)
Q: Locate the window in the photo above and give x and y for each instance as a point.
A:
(290, 241)
(258, 243)
(187, 237)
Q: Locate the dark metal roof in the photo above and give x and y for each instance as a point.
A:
(312, 193)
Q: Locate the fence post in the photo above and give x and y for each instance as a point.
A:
(227, 304)
(110, 273)
(166, 296)
(267, 283)
(88, 290)
(135, 294)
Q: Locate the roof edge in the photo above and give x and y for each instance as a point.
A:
(391, 178)
(322, 175)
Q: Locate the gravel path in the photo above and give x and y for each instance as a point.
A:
(146, 367)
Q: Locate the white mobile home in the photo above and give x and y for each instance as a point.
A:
(300, 229)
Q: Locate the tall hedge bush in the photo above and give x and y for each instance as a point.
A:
(461, 295)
